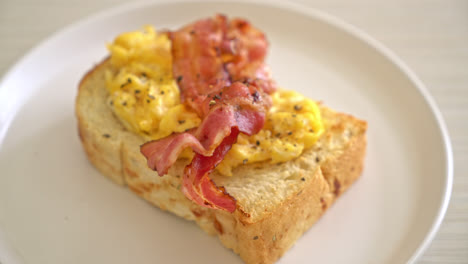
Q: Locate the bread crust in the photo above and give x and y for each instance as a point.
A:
(266, 223)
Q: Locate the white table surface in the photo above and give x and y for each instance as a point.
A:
(431, 36)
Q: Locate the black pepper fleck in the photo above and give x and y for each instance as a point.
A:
(297, 107)
(129, 80)
(258, 143)
(179, 78)
(278, 134)
(124, 103)
(302, 179)
(148, 100)
(181, 121)
(137, 91)
(162, 92)
(289, 133)
(245, 161)
(256, 96)
(151, 96)
(106, 135)
(255, 238)
(317, 159)
(111, 102)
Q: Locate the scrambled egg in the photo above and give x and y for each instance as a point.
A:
(293, 124)
(146, 98)
(143, 92)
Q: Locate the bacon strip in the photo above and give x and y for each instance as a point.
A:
(249, 47)
(197, 183)
(219, 65)
(197, 62)
(213, 53)
(237, 107)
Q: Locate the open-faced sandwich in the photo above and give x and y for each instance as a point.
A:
(192, 121)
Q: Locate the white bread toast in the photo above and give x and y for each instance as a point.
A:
(276, 203)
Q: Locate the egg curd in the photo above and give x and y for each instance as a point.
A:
(144, 95)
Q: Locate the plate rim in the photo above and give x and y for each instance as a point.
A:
(12, 255)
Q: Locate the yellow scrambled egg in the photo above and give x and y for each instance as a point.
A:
(293, 124)
(145, 96)
(143, 92)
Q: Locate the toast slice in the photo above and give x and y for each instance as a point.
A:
(276, 203)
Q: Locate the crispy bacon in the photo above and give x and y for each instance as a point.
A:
(213, 53)
(219, 66)
(249, 48)
(238, 106)
(197, 183)
(197, 63)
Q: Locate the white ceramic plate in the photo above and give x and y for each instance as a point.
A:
(56, 208)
